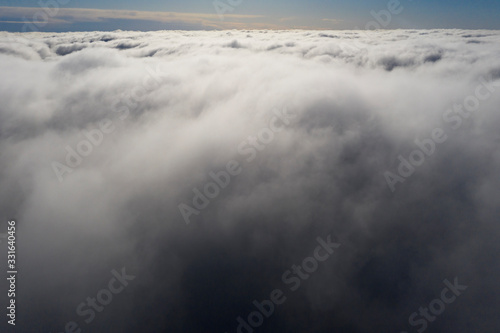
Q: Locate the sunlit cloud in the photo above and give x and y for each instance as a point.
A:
(70, 16)
(279, 143)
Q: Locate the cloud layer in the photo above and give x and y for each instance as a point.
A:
(152, 116)
(84, 19)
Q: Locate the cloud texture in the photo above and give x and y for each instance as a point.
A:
(83, 19)
(178, 106)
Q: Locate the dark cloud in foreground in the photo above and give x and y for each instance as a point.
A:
(180, 106)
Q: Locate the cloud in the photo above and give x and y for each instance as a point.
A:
(153, 115)
(71, 17)
(333, 21)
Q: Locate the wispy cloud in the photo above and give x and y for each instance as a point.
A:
(334, 21)
(74, 15)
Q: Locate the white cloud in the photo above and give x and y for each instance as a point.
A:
(361, 98)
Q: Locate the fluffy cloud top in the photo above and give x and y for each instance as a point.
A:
(314, 119)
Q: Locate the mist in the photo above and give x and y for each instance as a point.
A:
(206, 165)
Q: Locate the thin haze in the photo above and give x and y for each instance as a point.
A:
(246, 14)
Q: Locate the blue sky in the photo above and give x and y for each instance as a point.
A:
(72, 15)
